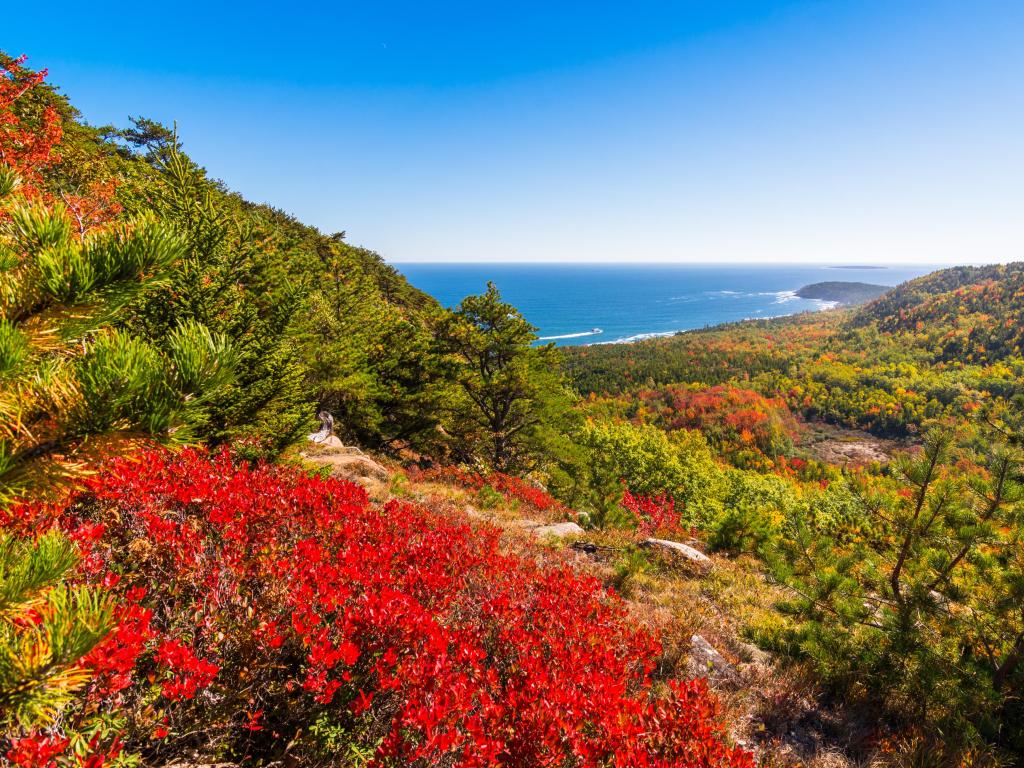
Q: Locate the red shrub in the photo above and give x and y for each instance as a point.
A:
(27, 142)
(257, 602)
(733, 419)
(654, 516)
(517, 488)
(507, 485)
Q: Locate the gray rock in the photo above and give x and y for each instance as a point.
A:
(751, 653)
(327, 441)
(685, 550)
(706, 661)
(346, 464)
(358, 468)
(558, 530)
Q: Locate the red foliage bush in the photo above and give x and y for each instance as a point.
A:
(259, 604)
(734, 419)
(27, 142)
(653, 516)
(507, 485)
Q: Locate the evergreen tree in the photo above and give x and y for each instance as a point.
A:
(231, 280)
(370, 362)
(72, 386)
(928, 606)
(46, 627)
(73, 389)
(512, 400)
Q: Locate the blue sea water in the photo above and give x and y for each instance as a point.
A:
(600, 303)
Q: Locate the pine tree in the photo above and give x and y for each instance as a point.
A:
(46, 627)
(232, 280)
(370, 362)
(512, 397)
(72, 386)
(927, 603)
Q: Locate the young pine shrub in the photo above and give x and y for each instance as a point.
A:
(73, 386)
(919, 615)
(46, 629)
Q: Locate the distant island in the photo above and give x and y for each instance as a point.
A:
(842, 292)
(856, 266)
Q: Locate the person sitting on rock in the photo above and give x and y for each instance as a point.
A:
(326, 428)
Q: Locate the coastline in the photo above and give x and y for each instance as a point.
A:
(637, 338)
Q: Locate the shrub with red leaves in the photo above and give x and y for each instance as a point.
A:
(261, 606)
(653, 515)
(735, 420)
(27, 141)
(512, 488)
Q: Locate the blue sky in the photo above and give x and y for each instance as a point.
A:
(888, 131)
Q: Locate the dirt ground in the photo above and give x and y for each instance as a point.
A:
(848, 447)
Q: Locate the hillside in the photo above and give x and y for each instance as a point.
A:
(934, 365)
(916, 292)
(931, 346)
(964, 314)
(315, 322)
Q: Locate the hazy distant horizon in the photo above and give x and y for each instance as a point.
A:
(853, 265)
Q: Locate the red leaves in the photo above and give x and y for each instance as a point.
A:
(113, 660)
(654, 516)
(95, 208)
(731, 417)
(36, 751)
(27, 142)
(508, 486)
(283, 595)
(188, 672)
(517, 488)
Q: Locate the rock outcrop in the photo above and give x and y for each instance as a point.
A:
(558, 530)
(683, 550)
(706, 661)
(349, 463)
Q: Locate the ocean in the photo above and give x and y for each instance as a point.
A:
(620, 303)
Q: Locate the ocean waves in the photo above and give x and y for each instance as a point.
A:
(765, 313)
(781, 297)
(580, 335)
(643, 336)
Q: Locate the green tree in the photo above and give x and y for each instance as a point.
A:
(927, 606)
(650, 463)
(755, 509)
(371, 362)
(231, 279)
(154, 139)
(512, 399)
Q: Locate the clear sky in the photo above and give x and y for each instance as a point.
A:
(847, 131)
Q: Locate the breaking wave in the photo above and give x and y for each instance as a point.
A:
(592, 332)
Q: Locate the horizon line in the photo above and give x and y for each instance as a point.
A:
(828, 265)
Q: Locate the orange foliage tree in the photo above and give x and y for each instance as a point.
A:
(28, 137)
